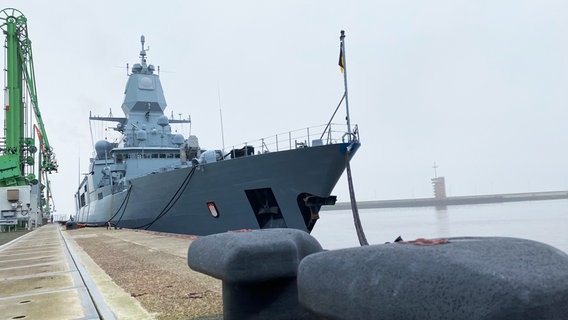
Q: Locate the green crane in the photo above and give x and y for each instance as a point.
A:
(17, 155)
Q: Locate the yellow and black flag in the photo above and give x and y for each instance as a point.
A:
(341, 59)
(341, 52)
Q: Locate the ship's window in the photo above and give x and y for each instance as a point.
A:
(82, 200)
(119, 158)
(85, 188)
(147, 156)
(100, 196)
(177, 155)
(154, 155)
(162, 155)
(170, 155)
(138, 156)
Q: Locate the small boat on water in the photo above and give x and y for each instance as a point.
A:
(156, 179)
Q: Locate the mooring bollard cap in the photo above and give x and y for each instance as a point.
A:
(464, 278)
(252, 256)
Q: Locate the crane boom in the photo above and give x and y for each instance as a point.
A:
(49, 163)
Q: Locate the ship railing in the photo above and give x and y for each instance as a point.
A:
(302, 138)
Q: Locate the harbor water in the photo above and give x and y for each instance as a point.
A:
(543, 221)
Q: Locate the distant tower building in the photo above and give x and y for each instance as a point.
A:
(439, 184)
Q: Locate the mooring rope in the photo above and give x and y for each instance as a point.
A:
(172, 202)
(356, 219)
(124, 202)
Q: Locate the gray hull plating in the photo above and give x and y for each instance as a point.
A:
(176, 201)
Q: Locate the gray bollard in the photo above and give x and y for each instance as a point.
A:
(466, 278)
(258, 270)
(70, 225)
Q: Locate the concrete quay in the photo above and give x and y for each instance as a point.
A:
(44, 276)
(98, 273)
(95, 273)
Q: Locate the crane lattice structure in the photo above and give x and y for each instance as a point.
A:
(20, 162)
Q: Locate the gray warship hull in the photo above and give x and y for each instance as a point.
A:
(241, 190)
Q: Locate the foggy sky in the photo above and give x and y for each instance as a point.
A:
(479, 87)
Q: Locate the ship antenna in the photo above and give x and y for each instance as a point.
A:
(143, 51)
(221, 117)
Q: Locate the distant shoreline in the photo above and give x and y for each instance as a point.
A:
(449, 201)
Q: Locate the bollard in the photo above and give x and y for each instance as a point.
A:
(70, 225)
(258, 269)
(465, 278)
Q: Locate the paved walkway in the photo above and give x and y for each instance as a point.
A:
(44, 275)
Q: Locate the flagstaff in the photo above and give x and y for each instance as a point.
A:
(353, 139)
(343, 65)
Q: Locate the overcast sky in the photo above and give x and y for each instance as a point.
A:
(479, 87)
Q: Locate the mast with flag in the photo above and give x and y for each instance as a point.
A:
(352, 138)
(343, 68)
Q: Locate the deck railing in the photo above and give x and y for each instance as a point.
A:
(302, 138)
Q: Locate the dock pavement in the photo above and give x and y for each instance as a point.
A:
(99, 273)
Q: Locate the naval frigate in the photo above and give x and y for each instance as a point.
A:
(156, 179)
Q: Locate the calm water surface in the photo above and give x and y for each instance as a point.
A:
(544, 221)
